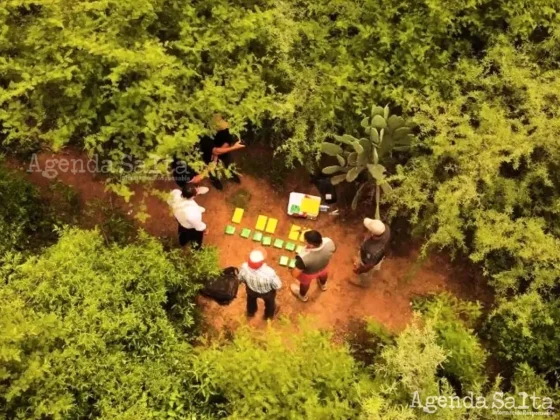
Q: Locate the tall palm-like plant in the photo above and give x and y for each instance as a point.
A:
(385, 133)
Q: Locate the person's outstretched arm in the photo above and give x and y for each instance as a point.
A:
(217, 151)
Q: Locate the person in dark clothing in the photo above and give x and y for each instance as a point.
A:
(183, 174)
(224, 144)
(372, 252)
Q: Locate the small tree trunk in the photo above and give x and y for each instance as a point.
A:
(377, 195)
(377, 189)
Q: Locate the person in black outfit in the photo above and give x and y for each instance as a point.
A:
(224, 144)
(183, 174)
(372, 253)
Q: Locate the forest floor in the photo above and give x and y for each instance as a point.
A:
(404, 276)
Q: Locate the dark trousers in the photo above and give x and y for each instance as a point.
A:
(269, 303)
(190, 235)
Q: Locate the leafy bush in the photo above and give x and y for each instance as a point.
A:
(112, 222)
(524, 330)
(488, 185)
(259, 377)
(84, 333)
(453, 320)
(143, 80)
(25, 219)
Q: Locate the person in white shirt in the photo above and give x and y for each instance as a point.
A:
(188, 214)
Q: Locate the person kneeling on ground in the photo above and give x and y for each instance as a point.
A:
(372, 252)
(188, 215)
(312, 263)
(262, 282)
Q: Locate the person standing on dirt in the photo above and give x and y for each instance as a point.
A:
(224, 144)
(188, 214)
(312, 263)
(372, 252)
(261, 282)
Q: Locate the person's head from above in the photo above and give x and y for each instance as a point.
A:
(218, 123)
(375, 227)
(188, 191)
(256, 258)
(313, 239)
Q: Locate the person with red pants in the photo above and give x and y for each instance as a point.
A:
(312, 263)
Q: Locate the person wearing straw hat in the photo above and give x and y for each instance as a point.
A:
(261, 282)
(224, 144)
(372, 252)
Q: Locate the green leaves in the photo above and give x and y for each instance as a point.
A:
(394, 122)
(329, 170)
(377, 111)
(358, 147)
(365, 152)
(344, 139)
(374, 136)
(377, 171)
(337, 179)
(283, 382)
(357, 196)
(104, 329)
(331, 149)
(379, 122)
(354, 173)
(341, 160)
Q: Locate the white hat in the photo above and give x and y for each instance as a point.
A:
(256, 256)
(376, 227)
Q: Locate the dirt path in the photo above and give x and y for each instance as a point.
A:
(387, 301)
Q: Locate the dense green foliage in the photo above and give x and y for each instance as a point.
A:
(489, 188)
(90, 335)
(99, 335)
(478, 79)
(144, 78)
(272, 377)
(26, 218)
(453, 322)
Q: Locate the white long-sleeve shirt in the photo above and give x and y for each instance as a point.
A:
(187, 212)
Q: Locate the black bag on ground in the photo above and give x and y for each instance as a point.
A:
(222, 289)
(326, 188)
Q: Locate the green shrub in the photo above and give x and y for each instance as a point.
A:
(84, 331)
(143, 80)
(265, 376)
(488, 187)
(25, 219)
(453, 321)
(524, 330)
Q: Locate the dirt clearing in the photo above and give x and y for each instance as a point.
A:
(388, 300)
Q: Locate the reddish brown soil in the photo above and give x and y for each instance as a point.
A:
(387, 301)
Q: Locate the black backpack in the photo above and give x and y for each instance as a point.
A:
(326, 189)
(222, 289)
